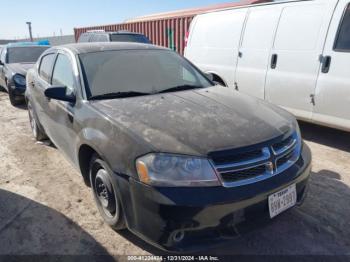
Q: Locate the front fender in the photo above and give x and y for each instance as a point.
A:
(116, 148)
(99, 142)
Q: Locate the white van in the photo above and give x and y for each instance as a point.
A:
(295, 54)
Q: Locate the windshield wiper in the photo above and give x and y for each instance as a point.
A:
(118, 95)
(180, 88)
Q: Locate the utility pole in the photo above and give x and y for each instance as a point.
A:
(30, 31)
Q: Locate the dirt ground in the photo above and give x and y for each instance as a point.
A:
(45, 207)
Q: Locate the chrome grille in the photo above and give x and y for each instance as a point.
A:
(254, 165)
(286, 144)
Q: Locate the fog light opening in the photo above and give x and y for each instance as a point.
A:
(178, 236)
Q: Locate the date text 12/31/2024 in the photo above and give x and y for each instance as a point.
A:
(173, 258)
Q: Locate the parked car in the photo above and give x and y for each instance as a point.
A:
(119, 36)
(15, 60)
(294, 54)
(167, 153)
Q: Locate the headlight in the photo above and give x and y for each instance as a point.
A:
(168, 170)
(298, 134)
(19, 80)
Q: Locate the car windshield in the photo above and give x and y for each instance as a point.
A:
(129, 38)
(138, 72)
(29, 54)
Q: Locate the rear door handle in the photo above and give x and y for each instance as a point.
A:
(274, 59)
(326, 64)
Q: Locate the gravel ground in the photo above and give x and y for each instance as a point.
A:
(45, 207)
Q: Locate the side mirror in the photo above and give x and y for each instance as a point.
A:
(59, 93)
(209, 76)
(1, 63)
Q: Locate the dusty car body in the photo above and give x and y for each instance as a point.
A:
(15, 61)
(178, 167)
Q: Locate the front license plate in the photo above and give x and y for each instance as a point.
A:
(282, 200)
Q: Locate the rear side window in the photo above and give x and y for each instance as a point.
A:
(343, 40)
(103, 38)
(63, 74)
(84, 38)
(45, 68)
(130, 38)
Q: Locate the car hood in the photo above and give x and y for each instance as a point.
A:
(198, 122)
(20, 68)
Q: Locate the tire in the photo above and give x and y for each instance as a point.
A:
(14, 100)
(38, 134)
(105, 194)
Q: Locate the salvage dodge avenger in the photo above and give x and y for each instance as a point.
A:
(173, 157)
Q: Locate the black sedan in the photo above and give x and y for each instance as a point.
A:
(176, 159)
(15, 60)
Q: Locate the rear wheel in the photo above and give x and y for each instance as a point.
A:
(105, 194)
(38, 134)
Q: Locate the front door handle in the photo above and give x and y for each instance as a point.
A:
(274, 59)
(326, 64)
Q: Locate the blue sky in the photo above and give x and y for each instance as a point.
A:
(49, 17)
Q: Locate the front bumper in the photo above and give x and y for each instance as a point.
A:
(18, 90)
(204, 215)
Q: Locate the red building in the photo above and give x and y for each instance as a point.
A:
(165, 29)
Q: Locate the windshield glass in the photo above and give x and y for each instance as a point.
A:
(24, 54)
(129, 38)
(141, 71)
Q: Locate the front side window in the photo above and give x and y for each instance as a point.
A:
(141, 71)
(45, 68)
(25, 54)
(63, 74)
(343, 39)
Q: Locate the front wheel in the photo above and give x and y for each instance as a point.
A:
(38, 134)
(105, 194)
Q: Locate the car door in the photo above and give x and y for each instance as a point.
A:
(295, 57)
(61, 113)
(38, 87)
(214, 42)
(254, 52)
(332, 101)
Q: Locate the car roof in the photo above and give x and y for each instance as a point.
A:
(92, 47)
